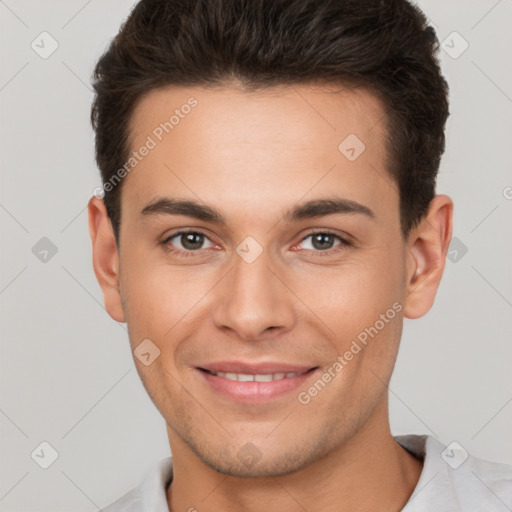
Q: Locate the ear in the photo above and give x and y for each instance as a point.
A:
(426, 251)
(105, 257)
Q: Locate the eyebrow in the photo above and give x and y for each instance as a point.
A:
(308, 210)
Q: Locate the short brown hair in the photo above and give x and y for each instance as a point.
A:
(386, 46)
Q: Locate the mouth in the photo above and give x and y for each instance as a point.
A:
(253, 384)
(258, 377)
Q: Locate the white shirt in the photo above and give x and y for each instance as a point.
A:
(451, 480)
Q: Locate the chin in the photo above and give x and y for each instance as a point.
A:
(252, 461)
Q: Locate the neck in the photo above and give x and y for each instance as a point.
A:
(368, 471)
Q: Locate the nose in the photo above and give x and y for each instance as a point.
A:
(254, 300)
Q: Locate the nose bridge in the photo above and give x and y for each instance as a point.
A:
(253, 299)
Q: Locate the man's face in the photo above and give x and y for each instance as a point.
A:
(262, 292)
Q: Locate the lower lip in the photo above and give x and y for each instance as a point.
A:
(255, 392)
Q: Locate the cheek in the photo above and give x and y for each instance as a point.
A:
(155, 295)
(351, 297)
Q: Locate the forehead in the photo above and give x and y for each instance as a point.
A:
(310, 113)
(226, 145)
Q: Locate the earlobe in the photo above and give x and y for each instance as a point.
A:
(426, 256)
(105, 257)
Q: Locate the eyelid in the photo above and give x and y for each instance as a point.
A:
(185, 231)
(341, 235)
(345, 241)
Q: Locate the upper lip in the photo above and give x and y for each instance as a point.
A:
(255, 368)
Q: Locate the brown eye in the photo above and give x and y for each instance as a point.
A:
(187, 241)
(323, 241)
(191, 241)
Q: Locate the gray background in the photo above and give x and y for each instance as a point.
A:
(67, 375)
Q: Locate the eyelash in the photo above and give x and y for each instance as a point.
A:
(344, 243)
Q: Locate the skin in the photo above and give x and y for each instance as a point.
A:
(252, 156)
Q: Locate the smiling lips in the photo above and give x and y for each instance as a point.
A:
(254, 383)
(259, 377)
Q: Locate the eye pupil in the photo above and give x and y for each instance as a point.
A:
(192, 240)
(322, 241)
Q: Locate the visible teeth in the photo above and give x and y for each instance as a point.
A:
(245, 378)
(264, 377)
